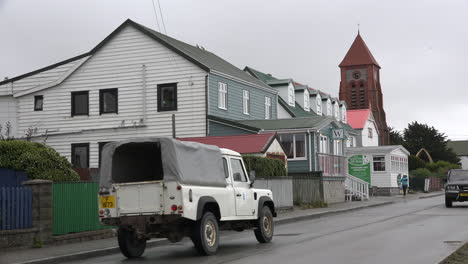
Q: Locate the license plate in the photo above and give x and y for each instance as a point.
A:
(107, 201)
(463, 194)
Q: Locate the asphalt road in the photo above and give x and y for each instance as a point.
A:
(416, 231)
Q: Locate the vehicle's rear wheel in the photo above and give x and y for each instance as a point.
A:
(448, 202)
(265, 226)
(205, 234)
(129, 244)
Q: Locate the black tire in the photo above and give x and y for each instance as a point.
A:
(265, 226)
(129, 244)
(448, 202)
(205, 234)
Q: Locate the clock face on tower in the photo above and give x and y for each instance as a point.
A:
(356, 75)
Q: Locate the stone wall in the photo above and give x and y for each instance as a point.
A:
(333, 190)
(384, 191)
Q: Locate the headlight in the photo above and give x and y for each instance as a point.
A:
(452, 187)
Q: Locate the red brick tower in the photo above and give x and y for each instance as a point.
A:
(360, 85)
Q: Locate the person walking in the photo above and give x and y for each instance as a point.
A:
(404, 184)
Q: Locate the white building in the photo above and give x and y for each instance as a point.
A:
(381, 166)
(460, 147)
(363, 122)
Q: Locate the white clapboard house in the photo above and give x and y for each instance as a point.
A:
(132, 84)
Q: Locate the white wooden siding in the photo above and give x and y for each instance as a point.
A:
(8, 114)
(119, 64)
(366, 141)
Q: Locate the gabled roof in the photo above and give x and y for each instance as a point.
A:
(460, 147)
(244, 144)
(201, 57)
(357, 118)
(264, 77)
(312, 122)
(294, 111)
(358, 54)
(377, 149)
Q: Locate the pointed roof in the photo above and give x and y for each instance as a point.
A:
(358, 54)
(357, 118)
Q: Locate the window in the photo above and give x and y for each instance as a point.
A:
(222, 95)
(294, 145)
(337, 147)
(306, 100)
(370, 134)
(38, 102)
(80, 155)
(329, 108)
(343, 113)
(80, 103)
(108, 101)
(379, 163)
(246, 101)
(350, 142)
(319, 105)
(101, 146)
(336, 109)
(238, 172)
(361, 96)
(267, 108)
(167, 97)
(291, 97)
(226, 169)
(353, 96)
(324, 144)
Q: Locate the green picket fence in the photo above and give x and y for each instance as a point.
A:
(75, 207)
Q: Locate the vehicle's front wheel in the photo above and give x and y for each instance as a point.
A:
(129, 244)
(265, 226)
(205, 234)
(448, 202)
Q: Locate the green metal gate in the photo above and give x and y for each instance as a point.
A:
(75, 207)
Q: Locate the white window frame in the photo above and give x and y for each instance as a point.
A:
(306, 101)
(291, 96)
(319, 104)
(370, 132)
(337, 147)
(294, 147)
(324, 144)
(329, 108)
(343, 113)
(384, 162)
(267, 107)
(246, 102)
(222, 95)
(336, 109)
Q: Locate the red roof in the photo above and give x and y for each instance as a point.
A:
(244, 144)
(358, 54)
(357, 118)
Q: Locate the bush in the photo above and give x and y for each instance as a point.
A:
(265, 167)
(441, 167)
(415, 163)
(421, 172)
(36, 160)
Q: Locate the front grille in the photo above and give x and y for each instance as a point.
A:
(463, 187)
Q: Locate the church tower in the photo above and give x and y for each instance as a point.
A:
(360, 85)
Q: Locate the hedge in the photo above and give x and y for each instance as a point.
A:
(265, 167)
(36, 160)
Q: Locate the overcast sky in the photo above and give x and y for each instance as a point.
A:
(422, 46)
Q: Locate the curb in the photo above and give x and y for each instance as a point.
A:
(431, 195)
(89, 254)
(161, 242)
(462, 244)
(322, 214)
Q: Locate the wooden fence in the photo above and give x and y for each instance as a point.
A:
(282, 189)
(15, 208)
(307, 189)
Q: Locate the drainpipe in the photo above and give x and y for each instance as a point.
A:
(143, 94)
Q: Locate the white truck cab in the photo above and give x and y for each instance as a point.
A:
(164, 188)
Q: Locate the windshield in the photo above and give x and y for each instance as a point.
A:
(458, 175)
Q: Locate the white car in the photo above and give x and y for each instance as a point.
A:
(164, 188)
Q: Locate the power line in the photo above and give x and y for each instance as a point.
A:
(162, 18)
(156, 16)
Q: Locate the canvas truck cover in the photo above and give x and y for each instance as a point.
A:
(185, 162)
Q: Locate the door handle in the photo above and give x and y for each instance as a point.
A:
(238, 195)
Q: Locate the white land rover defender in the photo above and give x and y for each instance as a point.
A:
(164, 188)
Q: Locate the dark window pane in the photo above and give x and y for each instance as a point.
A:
(226, 170)
(80, 157)
(38, 102)
(80, 103)
(167, 97)
(300, 145)
(108, 101)
(288, 144)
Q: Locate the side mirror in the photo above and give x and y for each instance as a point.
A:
(252, 177)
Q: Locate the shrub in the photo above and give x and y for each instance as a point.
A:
(36, 160)
(265, 167)
(415, 163)
(441, 167)
(421, 172)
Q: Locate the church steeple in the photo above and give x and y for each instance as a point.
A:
(358, 54)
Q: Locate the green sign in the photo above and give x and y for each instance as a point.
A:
(359, 166)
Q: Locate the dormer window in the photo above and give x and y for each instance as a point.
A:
(329, 108)
(319, 104)
(337, 111)
(291, 98)
(343, 113)
(306, 101)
